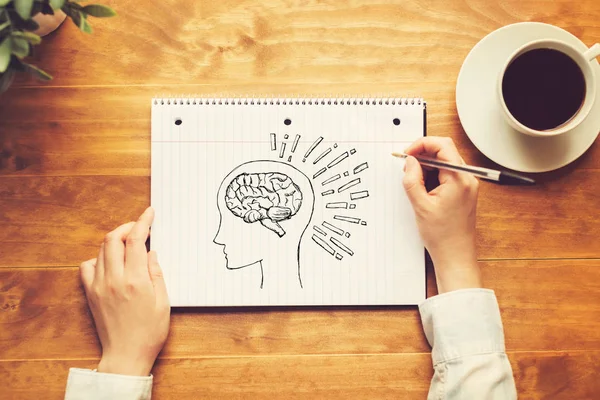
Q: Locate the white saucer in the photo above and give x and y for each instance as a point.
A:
(481, 117)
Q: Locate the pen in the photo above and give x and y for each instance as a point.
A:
(501, 177)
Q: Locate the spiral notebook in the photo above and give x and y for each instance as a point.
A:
(269, 202)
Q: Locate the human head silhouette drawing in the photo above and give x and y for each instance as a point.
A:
(265, 208)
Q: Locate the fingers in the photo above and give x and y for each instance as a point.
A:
(158, 280)
(99, 270)
(135, 249)
(442, 148)
(114, 250)
(87, 271)
(414, 184)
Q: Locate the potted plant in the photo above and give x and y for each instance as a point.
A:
(20, 29)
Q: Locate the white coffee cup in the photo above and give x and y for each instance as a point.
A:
(583, 60)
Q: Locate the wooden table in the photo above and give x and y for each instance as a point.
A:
(75, 163)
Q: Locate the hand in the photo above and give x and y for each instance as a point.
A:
(445, 215)
(127, 295)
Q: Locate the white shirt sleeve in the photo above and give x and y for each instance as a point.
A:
(465, 332)
(90, 385)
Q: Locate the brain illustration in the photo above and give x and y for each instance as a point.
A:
(268, 197)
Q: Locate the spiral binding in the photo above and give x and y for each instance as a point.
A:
(287, 101)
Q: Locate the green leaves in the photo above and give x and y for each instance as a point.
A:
(18, 43)
(73, 10)
(84, 25)
(31, 37)
(19, 46)
(23, 8)
(79, 14)
(17, 26)
(99, 11)
(38, 73)
(5, 50)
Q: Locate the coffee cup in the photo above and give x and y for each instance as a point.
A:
(547, 87)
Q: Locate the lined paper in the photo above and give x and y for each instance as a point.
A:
(285, 201)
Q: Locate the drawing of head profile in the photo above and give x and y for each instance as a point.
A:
(265, 208)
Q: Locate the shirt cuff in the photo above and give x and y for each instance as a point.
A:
(462, 323)
(88, 384)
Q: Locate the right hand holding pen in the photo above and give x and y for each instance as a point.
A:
(446, 215)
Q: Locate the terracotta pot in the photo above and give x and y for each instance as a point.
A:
(49, 23)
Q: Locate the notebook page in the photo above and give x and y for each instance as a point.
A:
(285, 201)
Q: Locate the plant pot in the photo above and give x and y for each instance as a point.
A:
(49, 23)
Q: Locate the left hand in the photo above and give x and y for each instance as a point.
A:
(127, 295)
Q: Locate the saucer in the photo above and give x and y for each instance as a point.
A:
(481, 116)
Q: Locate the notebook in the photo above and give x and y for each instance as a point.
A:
(271, 202)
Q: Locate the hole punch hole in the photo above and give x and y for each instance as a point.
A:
(178, 121)
(287, 121)
(396, 121)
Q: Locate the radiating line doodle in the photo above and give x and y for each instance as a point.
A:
(339, 256)
(328, 192)
(347, 234)
(323, 244)
(332, 179)
(295, 144)
(333, 228)
(338, 160)
(273, 142)
(364, 223)
(346, 173)
(352, 206)
(322, 155)
(341, 245)
(282, 150)
(321, 231)
(319, 172)
(353, 151)
(312, 147)
(352, 220)
(360, 168)
(348, 185)
(359, 195)
(286, 136)
(290, 159)
(339, 204)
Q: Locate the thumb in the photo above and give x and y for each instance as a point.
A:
(87, 270)
(157, 278)
(413, 181)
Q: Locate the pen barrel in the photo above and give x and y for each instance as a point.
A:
(480, 172)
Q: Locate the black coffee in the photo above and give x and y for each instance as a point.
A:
(543, 88)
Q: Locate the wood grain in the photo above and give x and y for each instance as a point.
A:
(279, 41)
(60, 220)
(39, 321)
(553, 375)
